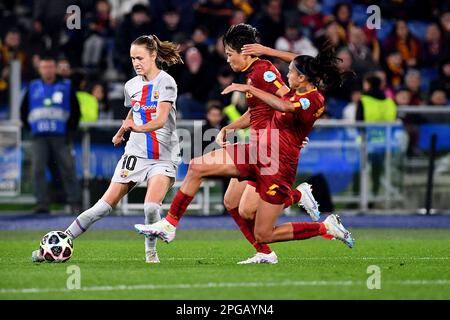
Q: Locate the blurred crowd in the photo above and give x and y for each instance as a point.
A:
(410, 53)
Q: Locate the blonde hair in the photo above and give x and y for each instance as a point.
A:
(166, 52)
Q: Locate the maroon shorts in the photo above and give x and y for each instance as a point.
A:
(251, 183)
(272, 178)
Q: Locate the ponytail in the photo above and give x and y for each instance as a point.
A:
(322, 71)
(167, 52)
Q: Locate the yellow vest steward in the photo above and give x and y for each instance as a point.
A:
(88, 106)
(377, 110)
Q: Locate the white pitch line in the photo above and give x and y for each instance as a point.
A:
(291, 258)
(348, 283)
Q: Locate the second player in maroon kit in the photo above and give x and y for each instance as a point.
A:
(291, 129)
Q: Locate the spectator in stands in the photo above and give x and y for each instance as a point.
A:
(388, 91)
(170, 24)
(88, 103)
(431, 50)
(270, 23)
(395, 69)
(403, 97)
(404, 42)
(134, 25)
(121, 8)
(438, 98)
(194, 85)
(53, 14)
(214, 122)
(349, 112)
(375, 107)
(225, 77)
(341, 96)
(218, 58)
(310, 17)
(342, 14)
(294, 41)
(63, 68)
(200, 40)
(11, 49)
(444, 23)
(363, 61)
(443, 81)
(331, 32)
(100, 92)
(37, 42)
(51, 111)
(412, 84)
(215, 14)
(238, 16)
(99, 38)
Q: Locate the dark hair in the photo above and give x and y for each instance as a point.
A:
(373, 81)
(166, 52)
(214, 104)
(47, 56)
(240, 34)
(322, 71)
(139, 8)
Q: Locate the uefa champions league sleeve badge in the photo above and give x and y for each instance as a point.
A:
(269, 76)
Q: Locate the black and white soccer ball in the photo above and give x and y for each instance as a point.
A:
(56, 246)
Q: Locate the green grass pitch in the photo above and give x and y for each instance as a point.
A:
(201, 264)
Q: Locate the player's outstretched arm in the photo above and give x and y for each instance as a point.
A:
(118, 137)
(256, 49)
(162, 114)
(242, 123)
(272, 100)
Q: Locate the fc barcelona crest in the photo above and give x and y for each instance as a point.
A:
(155, 94)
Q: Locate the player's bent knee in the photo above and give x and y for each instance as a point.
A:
(246, 212)
(230, 202)
(194, 168)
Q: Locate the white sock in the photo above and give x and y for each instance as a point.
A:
(87, 218)
(152, 215)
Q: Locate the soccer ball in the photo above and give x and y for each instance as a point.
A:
(56, 246)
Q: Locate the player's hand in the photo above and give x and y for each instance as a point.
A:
(221, 138)
(305, 142)
(117, 140)
(254, 49)
(236, 87)
(128, 125)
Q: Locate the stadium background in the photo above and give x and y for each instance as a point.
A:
(415, 73)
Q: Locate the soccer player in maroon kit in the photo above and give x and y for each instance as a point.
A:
(297, 112)
(241, 199)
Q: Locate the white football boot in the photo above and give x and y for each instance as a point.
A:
(259, 257)
(337, 230)
(36, 256)
(161, 229)
(151, 256)
(308, 202)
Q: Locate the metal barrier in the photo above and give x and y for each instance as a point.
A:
(360, 143)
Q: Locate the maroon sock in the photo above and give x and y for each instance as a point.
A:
(306, 230)
(178, 207)
(246, 227)
(294, 197)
